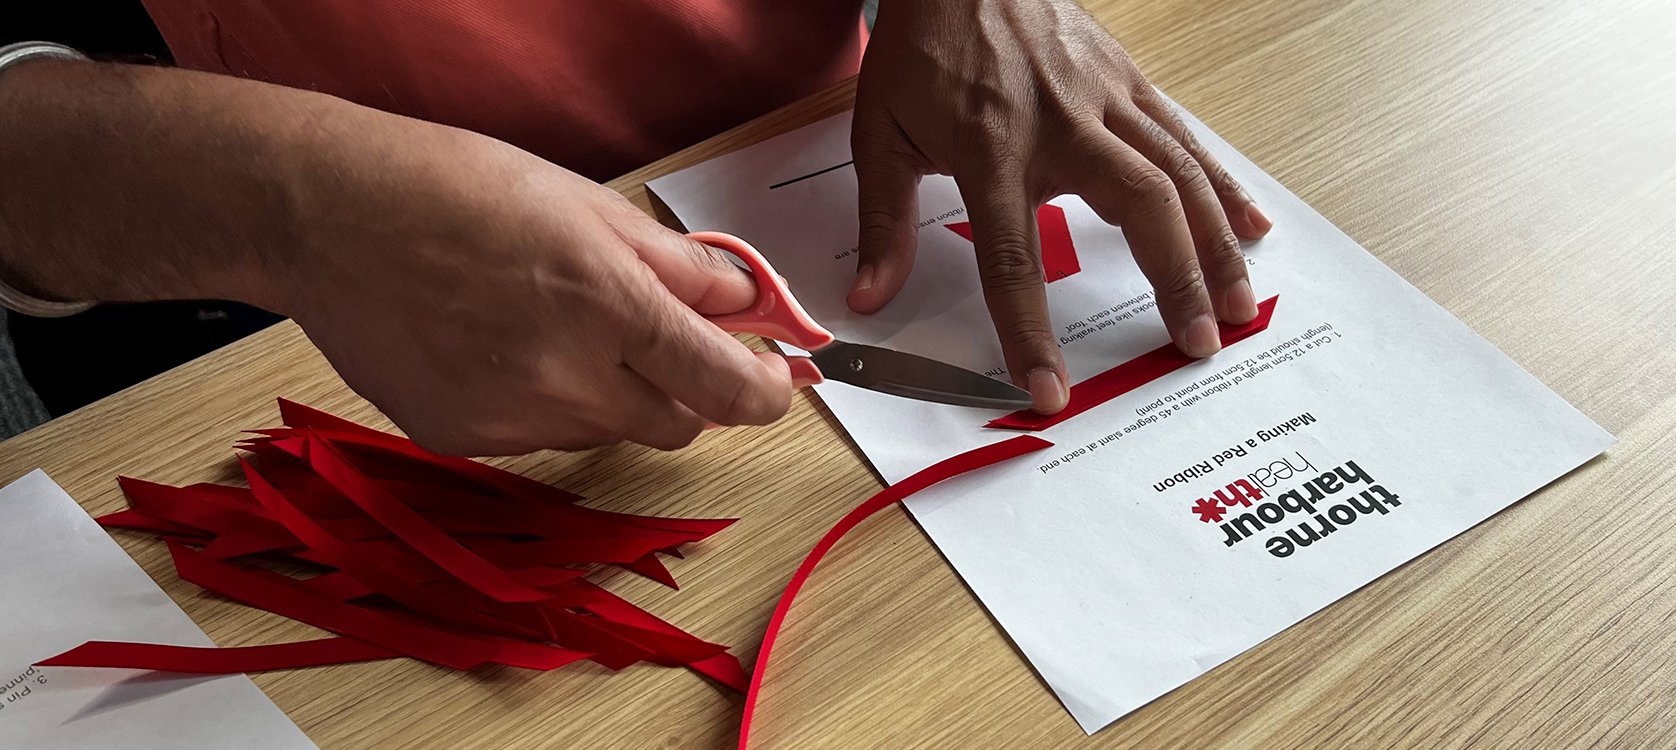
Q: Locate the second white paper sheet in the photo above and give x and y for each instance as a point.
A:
(1184, 522)
(65, 582)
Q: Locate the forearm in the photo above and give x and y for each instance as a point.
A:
(129, 183)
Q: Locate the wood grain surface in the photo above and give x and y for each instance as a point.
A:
(1516, 160)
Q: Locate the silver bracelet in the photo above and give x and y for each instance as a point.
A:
(10, 297)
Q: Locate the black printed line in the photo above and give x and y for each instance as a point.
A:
(811, 174)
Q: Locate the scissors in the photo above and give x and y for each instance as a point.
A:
(776, 314)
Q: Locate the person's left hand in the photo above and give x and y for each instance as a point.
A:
(1022, 100)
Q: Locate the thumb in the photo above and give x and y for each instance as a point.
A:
(887, 186)
(700, 276)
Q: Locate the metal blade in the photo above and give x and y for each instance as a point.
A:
(916, 377)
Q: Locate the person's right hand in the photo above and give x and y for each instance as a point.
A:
(491, 303)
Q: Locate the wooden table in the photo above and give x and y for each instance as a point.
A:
(1515, 160)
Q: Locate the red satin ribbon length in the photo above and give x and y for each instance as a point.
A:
(945, 469)
(1129, 376)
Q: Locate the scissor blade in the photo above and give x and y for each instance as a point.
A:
(916, 377)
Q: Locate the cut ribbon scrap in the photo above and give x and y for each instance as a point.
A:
(1129, 376)
(442, 559)
(945, 469)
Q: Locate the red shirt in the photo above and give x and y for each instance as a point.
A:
(598, 86)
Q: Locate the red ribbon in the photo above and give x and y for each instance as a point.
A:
(411, 527)
(1130, 375)
(945, 469)
(214, 660)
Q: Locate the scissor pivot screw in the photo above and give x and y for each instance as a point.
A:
(855, 365)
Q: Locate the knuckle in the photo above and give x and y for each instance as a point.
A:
(1091, 140)
(706, 257)
(876, 221)
(1183, 283)
(749, 403)
(617, 206)
(877, 151)
(1223, 181)
(1225, 250)
(1187, 140)
(1151, 192)
(1181, 165)
(991, 132)
(656, 334)
(1009, 261)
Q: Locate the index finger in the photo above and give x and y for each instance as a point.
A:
(1010, 266)
(703, 367)
(700, 276)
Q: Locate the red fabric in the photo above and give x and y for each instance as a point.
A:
(212, 660)
(1130, 375)
(598, 87)
(287, 596)
(945, 469)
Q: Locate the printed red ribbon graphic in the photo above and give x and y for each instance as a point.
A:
(1130, 375)
(442, 559)
(945, 469)
(1059, 255)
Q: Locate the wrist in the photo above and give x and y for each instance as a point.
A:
(368, 197)
(311, 164)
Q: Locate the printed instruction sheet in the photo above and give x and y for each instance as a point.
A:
(1191, 518)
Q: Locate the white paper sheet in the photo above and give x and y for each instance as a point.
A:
(64, 581)
(1091, 555)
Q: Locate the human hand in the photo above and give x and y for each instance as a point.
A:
(492, 303)
(1022, 100)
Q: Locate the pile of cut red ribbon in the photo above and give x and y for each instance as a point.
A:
(442, 559)
(407, 553)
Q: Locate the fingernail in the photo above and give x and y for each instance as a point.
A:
(1047, 391)
(1240, 302)
(863, 279)
(1259, 220)
(1202, 338)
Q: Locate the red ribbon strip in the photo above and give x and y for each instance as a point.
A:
(365, 568)
(1129, 376)
(287, 596)
(945, 469)
(411, 527)
(213, 660)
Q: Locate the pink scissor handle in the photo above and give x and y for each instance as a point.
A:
(775, 314)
